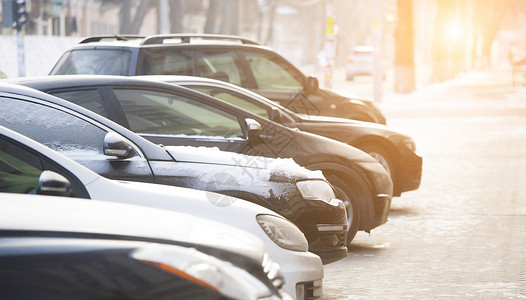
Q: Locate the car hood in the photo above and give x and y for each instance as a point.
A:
(264, 166)
(305, 119)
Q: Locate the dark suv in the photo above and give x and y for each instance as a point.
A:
(229, 58)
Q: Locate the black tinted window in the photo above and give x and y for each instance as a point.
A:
(89, 99)
(19, 169)
(52, 127)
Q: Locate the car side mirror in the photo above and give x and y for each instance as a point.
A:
(253, 127)
(312, 84)
(275, 115)
(116, 145)
(53, 184)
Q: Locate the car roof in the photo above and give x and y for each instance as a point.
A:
(37, 213)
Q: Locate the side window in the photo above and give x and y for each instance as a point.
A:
(234, 99)
(19, 169)
(222, 65)
(164, 113)
(59, 130)
(157, 61)
(97, 62)
(89, 99)
(273, 74)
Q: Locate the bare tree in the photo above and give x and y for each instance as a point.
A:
(131, 24)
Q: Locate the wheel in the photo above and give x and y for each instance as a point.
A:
(382, 157)
(349, 193)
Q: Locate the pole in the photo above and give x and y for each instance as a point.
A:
(20, 33)
(377, 53)
(163, 17)
(329, 49)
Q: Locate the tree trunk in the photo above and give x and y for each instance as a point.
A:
(129, 25)
(404, 49)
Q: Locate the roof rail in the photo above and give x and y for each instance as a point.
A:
(185, 38)
(111, 37)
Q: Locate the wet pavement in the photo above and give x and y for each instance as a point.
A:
(462, 234)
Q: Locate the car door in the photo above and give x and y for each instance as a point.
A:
(71, 134)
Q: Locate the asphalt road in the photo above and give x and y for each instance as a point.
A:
(462, 234)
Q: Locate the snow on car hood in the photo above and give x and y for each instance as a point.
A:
(285, 167)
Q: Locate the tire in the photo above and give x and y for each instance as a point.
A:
(382, 157)
(350, 193)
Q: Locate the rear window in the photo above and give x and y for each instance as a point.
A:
(97, 62)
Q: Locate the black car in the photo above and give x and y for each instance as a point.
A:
(175, 116)
(302, 196)
(230, 58)
(63, 248)
(393, 150)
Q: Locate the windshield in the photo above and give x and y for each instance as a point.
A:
(96, 62)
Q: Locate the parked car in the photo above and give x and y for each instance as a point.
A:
(63, 248)
(361, 62)
(29, 167)
(175, 116)
(300, 195)
(230, 58)
(396, 152)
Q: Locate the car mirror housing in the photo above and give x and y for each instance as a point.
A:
(253, 127)
(312, 84)
(53, 184)
(116, 145)
(276, 115)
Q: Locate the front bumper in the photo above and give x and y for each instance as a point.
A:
(411, 175)
(326, 229)
(303, 273)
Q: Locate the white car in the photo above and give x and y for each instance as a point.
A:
(44, 171)
(360, 62)
(64, 248)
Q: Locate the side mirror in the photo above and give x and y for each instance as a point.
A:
(54, 184)
(116, 145)
(275, 115)
(253, 127)
(312, 84)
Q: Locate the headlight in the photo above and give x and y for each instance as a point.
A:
(316, 190)
(410, 143)
(283, 232)
(204, 270)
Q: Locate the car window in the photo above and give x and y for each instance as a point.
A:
(158, 61)
(234, 98)
(19, 169)
(220, 65)
(89, 99)
(98, 62)
(57, 129)
(163, 113)
(273, 74)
